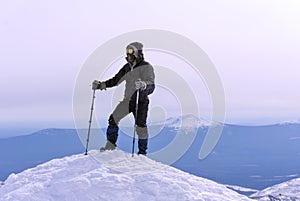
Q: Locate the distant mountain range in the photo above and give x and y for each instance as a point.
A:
(250, 156)
(22, 152)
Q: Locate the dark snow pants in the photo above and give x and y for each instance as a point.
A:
(125, 107)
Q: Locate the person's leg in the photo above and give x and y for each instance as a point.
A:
(143, 139)
(141, 129)
(120, 112)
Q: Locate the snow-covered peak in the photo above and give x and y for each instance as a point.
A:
(112, 175)
(183, 121)
(290, 122)
(288, 191)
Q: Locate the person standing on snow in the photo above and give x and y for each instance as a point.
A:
(138, 75)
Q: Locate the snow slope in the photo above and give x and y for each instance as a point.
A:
(288, 191)
(112, 175)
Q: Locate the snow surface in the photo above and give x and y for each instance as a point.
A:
(112, 175)
(288, 191)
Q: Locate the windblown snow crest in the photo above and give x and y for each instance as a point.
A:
(92, 177)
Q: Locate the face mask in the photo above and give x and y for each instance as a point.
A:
(130, 55)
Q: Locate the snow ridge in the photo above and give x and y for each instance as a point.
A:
(112, 175)
(287, 191)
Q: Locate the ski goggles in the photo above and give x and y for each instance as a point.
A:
(129, 51)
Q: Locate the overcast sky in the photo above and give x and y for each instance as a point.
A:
(254, 44)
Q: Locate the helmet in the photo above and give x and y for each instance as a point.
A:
(134, 48)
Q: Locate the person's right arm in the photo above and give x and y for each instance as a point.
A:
(114, 81)
(117, 79)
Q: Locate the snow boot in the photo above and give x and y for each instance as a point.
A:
(112, 133)
(108, 146)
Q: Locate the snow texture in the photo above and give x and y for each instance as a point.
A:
(287, 191)
(112, 175)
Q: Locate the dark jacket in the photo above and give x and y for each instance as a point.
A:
(143, 70)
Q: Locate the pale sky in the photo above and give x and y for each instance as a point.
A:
(254, 44)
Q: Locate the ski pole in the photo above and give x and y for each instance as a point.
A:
(90, 122)
(135, 123)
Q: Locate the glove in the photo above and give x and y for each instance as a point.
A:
(95, 84)
(98, 85)
(140, 85)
